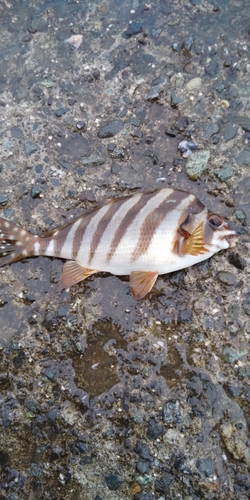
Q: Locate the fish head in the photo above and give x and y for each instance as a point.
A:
(204, 232)
(217, 233)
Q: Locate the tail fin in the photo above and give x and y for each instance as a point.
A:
(15, 243)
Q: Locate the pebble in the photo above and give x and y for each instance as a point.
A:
(175, 99)
(133, 29)
(154, 93)
(154, 430)
(147, 495)
(142, 466)
(35, 191)
(113, 481)
(219, 86)
(230, 356)
(63, 164)
(240, 215)
(30, 147)
(162, 484)
(110, 129)
(205, 466)
(187, 147)
(224, 173)
(3, 199)
(243, 158)
(197, 164)
(81, 125)
(246, 307)
(61, 111)
(16, 132)
(171, 412)
(93, 160)
(244, 122)
(230, 131)
(212, 68)
(210, 129)
(194, 84)
(227, 278)
(237, 261)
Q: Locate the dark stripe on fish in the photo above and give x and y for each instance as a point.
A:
(103, 223)
(154, 219)
(127, 221)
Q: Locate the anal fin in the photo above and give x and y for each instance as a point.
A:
(73, 273)
(141, 283)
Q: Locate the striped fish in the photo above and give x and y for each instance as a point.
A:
(140, 235)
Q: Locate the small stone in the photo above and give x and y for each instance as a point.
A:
(16, 132)
(63, 164)
(133, 29)
(230, 131)
(35, 191)
(147, 495)
(177, 46)
(171, 412)
(246, 307)
(154, 93)
(212, 68)
(205, 466)
(188, 43)
(194, 84)
(61, 111)
(243, 158)
(62, 311)
(197, 164)
(110, 129)
(226, 278)
(219, 86)
(81, 125)
(115, 169)
(210, 129)
(111, 147)
(93, 161)
(224, 173)
(3, 199)
(113, 481)
(237, 261)
(244, 122)
(30, 147)
(240, 215)
(154, 430)
(163, 483)
(231, 356)
(175, 99)
(142, 466)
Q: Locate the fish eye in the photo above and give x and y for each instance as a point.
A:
(215, 220)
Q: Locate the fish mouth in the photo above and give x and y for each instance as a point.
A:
(231, 239)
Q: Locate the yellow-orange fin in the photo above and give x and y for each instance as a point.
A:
(141, 283)
(73, 273)
(194, 244)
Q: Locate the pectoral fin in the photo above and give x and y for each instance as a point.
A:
(193, 244)
(141, 283)
(73, 273)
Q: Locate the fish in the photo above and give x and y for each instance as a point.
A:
(142, 235)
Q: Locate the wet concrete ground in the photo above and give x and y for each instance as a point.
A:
(103, 397)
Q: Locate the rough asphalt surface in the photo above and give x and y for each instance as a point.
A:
(102, 397)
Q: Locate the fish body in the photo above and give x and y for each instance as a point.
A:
(141, 235)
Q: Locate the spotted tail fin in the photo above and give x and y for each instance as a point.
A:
(15, 243)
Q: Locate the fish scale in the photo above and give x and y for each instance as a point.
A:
(142, 235)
